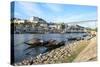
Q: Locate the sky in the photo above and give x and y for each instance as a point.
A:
(56, 12)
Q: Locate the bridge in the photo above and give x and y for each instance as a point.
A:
(79, 22)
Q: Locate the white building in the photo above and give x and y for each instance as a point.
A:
(33, 19)
(41, 21)
(52, 26)
(18, 21)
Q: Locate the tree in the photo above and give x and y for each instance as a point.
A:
(62, 26)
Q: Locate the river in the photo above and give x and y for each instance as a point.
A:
(20, 51)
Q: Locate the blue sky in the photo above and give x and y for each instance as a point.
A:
(55, 12)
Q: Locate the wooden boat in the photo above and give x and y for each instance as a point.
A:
(52, 44)
(35, 42)
(75, 38)
(49, 44)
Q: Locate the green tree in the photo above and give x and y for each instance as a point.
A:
(62, 26)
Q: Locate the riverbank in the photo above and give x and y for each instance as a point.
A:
(64, 54)
(89, 53)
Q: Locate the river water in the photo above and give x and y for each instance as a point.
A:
(21, 50)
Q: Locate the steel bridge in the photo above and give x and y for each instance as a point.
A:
(79, 22)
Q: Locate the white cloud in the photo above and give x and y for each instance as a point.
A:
(30, 8)
(53, 7)
(75, 17)
(81, 17)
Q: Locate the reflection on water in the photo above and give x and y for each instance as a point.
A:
(20, 51)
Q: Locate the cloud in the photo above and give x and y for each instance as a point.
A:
(82, 17)
(53, 7)
(75, 17)
(29, 8)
